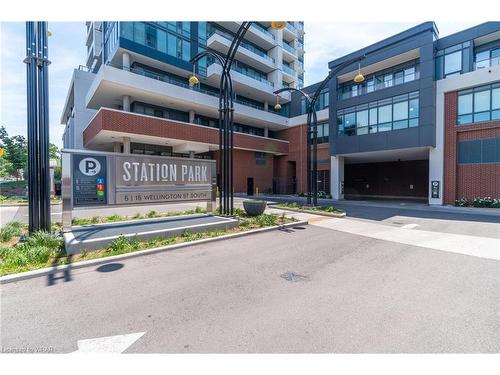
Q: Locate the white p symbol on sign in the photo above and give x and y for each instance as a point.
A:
(89, 166)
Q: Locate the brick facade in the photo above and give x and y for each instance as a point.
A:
(284, 169)
(468, 180)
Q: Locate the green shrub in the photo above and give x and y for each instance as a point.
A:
(119, 246)
(265, 220)
(152, 214)
(3, 198)
(115, 217)
(10, 230)
(43, 239)
(462, 202)
(95, 220)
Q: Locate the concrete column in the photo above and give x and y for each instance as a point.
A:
(191, 154)
(126, 103)
(266, 132)
(266, 106)
(117, 147)
(126, 61)
(191, 116)
(126, 145)
(337, 177)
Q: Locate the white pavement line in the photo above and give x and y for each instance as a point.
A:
(110, 344)
(482, 247)
(409, 226)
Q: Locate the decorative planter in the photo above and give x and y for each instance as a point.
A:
(254, 207)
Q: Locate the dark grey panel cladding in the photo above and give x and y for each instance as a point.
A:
(296, 98)
(420, 37)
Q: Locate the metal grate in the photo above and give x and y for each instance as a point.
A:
(294, 277)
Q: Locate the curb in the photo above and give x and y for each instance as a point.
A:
(86, 263)
(311, 212)
(495, 212)
(23, 204)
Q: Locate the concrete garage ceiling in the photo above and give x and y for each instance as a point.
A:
(421, 153)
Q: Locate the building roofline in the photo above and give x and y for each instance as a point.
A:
(415, 30)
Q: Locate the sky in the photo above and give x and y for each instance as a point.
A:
(324, 41)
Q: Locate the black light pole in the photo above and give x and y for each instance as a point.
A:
(312, 127)
(226, 114)
(38, 126)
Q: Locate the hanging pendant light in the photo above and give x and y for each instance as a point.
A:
(193, 80)
(278, 25)
(277, 106)
(359, 77)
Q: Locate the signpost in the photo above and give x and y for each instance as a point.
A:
(91, 178)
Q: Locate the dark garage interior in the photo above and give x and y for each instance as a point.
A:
(389, 180)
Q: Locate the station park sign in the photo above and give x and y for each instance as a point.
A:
(91, 178)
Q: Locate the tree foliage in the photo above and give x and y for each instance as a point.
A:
(14, 156)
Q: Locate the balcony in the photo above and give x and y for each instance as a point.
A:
(262, 30)
(220, 40)
(111, 83)
(487, 63)
(289, 75)
(289, 32)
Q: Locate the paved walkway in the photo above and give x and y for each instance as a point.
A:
(482, 247)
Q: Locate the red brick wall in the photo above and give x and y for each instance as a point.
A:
(131, 123)
(276, 167)
(470, 180)
(245, 166)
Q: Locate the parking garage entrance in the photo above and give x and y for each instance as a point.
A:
(386, 179)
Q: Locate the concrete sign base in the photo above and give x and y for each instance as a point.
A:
(99, 236)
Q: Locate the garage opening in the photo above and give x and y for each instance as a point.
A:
(407, 180)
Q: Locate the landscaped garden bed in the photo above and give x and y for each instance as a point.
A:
(43, 249)
(486, 202)
(317, 210)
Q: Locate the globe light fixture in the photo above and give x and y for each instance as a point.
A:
(193, 80)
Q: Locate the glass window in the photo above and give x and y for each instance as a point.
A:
(413, 108)
(139, 32)
(150, 36)
(349, 123)
(453, 62)
(464, 104)
(495, 98)
(373, 116)
(388, 80)
(370, 85)
(409, 74)
(362, 119)
(482, 101)
(127, 30)
(171, 44)
(385, 114)
(482, 59)
(186, 50)
(400, 111)
(399, 78)
(162, 41)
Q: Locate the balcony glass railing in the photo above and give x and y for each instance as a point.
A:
(372, 84)
(243, 44)
(299, 45)
(181, 83)
(245, 72)
(291, 28)
(289, 48)
(486, 63)
(299, 64)
(289, 70)
(262, 29)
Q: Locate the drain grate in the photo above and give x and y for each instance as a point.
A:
(294, 277)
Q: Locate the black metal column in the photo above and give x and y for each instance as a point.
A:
(38, 126)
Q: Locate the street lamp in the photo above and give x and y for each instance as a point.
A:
(226, 113)
(312, 124)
